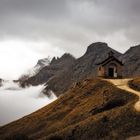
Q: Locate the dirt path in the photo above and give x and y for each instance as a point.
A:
(123, 84)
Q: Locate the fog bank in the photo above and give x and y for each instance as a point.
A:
(16, 102)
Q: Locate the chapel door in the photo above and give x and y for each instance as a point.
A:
(111, 72)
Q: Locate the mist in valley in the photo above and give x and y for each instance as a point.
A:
(16, 102)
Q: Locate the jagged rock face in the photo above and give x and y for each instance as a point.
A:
(131, 60)
(32, 72)
(43, 62)
(55, 68)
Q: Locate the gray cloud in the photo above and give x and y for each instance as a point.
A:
(72, 24)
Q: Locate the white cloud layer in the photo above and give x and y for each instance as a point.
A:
(16, 102)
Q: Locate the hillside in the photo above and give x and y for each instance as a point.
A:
(91, 109)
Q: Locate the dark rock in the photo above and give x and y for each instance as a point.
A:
(1, 80)
(131, 60)
(56, 68)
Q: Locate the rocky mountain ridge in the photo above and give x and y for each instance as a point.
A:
(66, 70)
(56, 67)
(33, 71)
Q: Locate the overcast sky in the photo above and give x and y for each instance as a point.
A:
(33, 29)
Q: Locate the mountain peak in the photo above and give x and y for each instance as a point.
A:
(43, 62)
(97, 46)
(66, 55)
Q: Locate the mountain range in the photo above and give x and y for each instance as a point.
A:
(62, 72)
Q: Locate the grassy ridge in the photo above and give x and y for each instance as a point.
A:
(90, 110)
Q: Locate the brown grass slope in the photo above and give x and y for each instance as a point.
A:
(90, 110)
(135, 83)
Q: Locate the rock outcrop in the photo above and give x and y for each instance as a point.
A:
(56, 68)
(131, 60)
